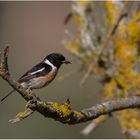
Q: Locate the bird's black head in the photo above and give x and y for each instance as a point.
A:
(56, 59)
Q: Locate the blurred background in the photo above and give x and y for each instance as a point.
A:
(33, 30)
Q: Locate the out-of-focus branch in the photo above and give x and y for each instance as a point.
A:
(94, 124)
(62, 112)
(104, 45)
(68, 74)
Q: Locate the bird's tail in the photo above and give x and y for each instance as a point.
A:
(7, 95)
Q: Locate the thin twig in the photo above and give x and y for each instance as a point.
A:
(21, 115)
(68, 74)
(93, 125)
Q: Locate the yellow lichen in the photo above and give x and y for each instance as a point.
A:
(20, 115)
(83, 3)
(80, 9)
(74, 48)
(129, 119)
(109, 88)
(126, 53)
(113, 11)
(134, 29)
(63, 110)
(79, 20)
(78, 113)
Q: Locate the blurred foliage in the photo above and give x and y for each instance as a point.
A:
(115, 55)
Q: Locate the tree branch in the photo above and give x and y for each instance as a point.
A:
(63, 112)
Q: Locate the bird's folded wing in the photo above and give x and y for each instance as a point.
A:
(37, 71)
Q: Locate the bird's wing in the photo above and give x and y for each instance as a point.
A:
(38, 70)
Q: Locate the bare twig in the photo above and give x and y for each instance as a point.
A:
(68, 17)
(68, 74)
(94, 124)
(86, 76)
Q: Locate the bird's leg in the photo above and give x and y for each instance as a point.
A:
(35, 98)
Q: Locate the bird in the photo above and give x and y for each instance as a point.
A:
(41, 74)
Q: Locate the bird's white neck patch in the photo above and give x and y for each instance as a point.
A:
(49, 63)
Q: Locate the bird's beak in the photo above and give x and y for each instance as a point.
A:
(66, 62)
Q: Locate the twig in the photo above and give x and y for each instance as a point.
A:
(22, 115)
(67, 18)
(86, 76)
(94, 124)
(68, 74)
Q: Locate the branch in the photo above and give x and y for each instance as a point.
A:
(63, 112)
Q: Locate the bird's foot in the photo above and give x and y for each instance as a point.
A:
(35, 98)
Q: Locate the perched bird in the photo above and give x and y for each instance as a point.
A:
(41, 74)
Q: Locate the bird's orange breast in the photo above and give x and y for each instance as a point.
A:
(43, 80)
(49, 77)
